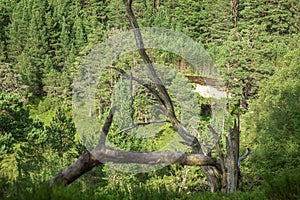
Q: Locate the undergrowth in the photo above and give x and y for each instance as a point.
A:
(281, 186)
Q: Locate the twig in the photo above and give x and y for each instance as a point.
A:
(249, 151)
(147, 85)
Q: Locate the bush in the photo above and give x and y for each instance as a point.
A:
(285, 185)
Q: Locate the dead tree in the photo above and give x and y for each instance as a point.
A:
(222, 173)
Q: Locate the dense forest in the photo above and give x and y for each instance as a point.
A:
(44, 43)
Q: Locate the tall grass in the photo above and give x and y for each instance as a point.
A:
(282, 186)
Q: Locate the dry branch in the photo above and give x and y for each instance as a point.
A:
(117, 156)
(249, 151)
(162, 94)
(102, 154)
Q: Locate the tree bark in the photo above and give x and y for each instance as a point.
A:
(231, 160)
(102, 154)
(89, 160)
(211, 173)
(83, 164)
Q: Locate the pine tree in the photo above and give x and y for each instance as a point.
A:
(17, 30)
(79, 35)
(61, 132)
(15, 122)
(3, 25)
(36, 49)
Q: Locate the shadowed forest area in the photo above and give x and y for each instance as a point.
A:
(255, 46)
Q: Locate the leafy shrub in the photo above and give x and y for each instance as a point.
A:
(285, 185)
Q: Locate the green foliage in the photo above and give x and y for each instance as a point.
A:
(61, 133)
(48, 149)
(15, 123)
(32, 150)
(27, 148)
(273, 120)
(57, 85)
(8, 168)
(284, 185)
(21, 138)
(40, 36)
(10, 81)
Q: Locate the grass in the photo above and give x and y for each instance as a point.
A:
(283, 186)
(25, 190)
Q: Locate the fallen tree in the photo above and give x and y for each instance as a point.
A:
(90, 159)
(222, 173)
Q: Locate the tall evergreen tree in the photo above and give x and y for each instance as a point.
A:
(61, 132)
(36, 50)
(17, 30)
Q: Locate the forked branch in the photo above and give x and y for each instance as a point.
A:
(158, 88)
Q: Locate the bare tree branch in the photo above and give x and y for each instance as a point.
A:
(149, 86)
(211, 173)
(217, 144)
(117, 156)
(177, 126)
(102, 154)
(85, 162)
(106, 126)
(166, 100)
(160, 90)
(249, 151)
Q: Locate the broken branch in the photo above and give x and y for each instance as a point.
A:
(249, 151)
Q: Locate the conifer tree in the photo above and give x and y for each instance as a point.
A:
(15, 122)
(17, 30)
(61, 133)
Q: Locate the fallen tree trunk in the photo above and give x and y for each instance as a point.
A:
(102, 154)
(88, 161)
(83, 164)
